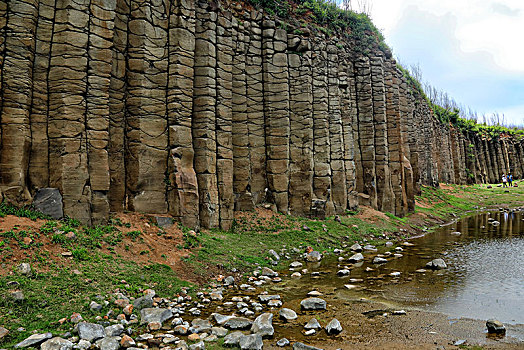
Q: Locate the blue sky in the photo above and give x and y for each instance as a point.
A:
(472, 49)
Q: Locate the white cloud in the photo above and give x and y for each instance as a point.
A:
(495, 27)
(470, 48)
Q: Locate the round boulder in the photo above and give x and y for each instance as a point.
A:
(313, 304)
(495, 326)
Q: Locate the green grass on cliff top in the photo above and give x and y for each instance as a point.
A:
(327, 17)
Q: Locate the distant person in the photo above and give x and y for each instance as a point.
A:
(504, 180)
(510, 180)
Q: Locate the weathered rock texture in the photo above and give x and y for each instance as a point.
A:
(195, 109)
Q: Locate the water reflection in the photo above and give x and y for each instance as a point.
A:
(485, 278)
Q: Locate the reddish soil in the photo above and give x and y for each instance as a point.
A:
(153, 245)
(370, 215)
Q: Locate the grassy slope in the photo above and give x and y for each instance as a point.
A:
(59, 292)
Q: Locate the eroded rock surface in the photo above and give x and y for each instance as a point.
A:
(192, 110)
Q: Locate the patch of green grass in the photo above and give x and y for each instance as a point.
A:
(48, 227)
(460, 199)
(25, 211)
(58, 293)
(246, 245)
(59, 238)
(133, 234)
(397, 219)
(81, 254)
(191, 241)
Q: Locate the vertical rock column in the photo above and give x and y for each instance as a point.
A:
(499, 163)
(505, 156)
(475, 159)
(38, 163)
(366, 177)
(462, 157)
(16, 98)
(3, 37)
(224, 134)
(336, 140)
(481, 152)
(405, 113)
(519, 159)
(255, 115)
(204, 115)
(455, 155)
(422, 126)
(385, 195)
(414, 124)
(146, 107)
(301, 126)
(276, 112)
(68, 165)
(101, 31)
(321, 156)
(241, 163)
(182, 190)
(511, 157)
(448, 154)
(349, 114)
(117, 109)
(394, 138)
(492, 161)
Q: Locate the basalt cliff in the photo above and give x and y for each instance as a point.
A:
(196, 109)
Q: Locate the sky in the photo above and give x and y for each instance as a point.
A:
(472, 49)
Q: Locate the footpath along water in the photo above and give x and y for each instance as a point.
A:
(484, 278)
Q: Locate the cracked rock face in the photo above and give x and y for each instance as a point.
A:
(191, 112)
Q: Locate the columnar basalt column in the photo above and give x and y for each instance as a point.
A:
(204, 115)
(394, 137)
(500, 164)
(385, 196)
(4, 8)
(492, 149)
(118, 110)
(224, 121)
(38, 172)
(336, 141)
(146, 107)
(519, 159)
(505, 155)
(448, 172)
(366, 177)
(405, 112)
(101, 31)
(240, 138)
(349, 113)
(276, 112)
(455, 154)
(415, 127)
(182, 184)
(489, 165)
(321, 148)
(255, 112)
(16, 98)
(483, 160)
(68, 164)
(301, 126)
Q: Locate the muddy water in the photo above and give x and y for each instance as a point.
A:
(484, 279)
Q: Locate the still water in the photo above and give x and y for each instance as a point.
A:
(484, 279)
